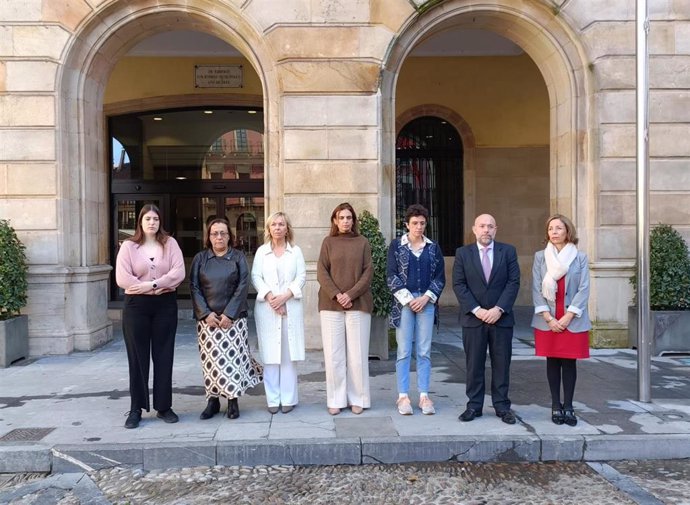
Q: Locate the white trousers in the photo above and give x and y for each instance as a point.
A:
(345, 336)
(280, 381)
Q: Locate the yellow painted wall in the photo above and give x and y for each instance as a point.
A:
(503, 98)
(144, 77)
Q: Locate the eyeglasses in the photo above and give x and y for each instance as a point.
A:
(219, 234)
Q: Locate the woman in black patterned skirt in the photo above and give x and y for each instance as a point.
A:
(219, 280)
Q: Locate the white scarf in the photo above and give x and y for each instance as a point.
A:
(557, 264)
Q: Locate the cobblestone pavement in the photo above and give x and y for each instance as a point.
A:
(622, 482)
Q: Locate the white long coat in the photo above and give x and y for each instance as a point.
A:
(268, 322)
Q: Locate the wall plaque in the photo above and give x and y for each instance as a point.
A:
(217, 76)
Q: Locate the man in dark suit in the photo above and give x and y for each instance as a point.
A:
(486, 280)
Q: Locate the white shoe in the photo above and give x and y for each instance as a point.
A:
(426, 405)
(404, 406)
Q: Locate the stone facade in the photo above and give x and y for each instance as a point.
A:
(328, 72)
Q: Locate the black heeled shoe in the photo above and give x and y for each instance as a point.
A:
(233, 409)
(557, 414)
(569, 417)
(212, 408)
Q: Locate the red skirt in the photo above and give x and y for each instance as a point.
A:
(565, 344)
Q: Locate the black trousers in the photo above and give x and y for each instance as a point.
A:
(149, 323)
(499, 341)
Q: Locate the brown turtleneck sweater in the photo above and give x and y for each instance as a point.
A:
(344, 266)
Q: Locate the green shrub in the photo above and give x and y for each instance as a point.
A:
(669, 270)
(369, 228)
(13, 272)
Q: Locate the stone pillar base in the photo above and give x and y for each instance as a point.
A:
(68, 309)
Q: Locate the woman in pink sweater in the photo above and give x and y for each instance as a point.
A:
(149, 268)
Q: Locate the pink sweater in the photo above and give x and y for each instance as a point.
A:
(133, 267)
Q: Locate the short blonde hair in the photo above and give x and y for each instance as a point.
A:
(289, 236)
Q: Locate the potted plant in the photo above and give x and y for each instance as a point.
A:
(369, 228)
(669, 292)
(14, 327)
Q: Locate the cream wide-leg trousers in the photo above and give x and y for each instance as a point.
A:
(345, 336)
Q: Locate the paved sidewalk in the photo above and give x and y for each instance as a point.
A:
(66, 414)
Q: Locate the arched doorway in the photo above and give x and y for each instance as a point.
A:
(429, 171)
(83, 203)
(520, 181)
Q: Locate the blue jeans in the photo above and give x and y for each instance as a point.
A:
(417, 328)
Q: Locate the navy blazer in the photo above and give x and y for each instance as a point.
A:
(472, 289)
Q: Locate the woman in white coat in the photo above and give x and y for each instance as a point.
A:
(279, 274)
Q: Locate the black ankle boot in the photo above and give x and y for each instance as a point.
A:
(233, 409)
(212, 408)
(557, 414)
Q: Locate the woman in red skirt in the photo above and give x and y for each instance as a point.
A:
(560, 291)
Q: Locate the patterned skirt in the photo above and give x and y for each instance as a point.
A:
(228, 365)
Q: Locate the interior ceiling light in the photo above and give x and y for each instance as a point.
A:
(208, 112)
(181, 178)
(251, 112)
(157, 118)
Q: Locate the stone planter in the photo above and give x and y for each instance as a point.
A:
(670, 330)
(14, 340)
(378, 340)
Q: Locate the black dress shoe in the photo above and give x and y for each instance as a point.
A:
(557, 415)
(133, 419)
(569, 417)
(507, 417)
(168, 416)
(470, 414)
(212, 408)
(233, 409)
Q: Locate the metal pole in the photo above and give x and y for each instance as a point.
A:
(644, 339)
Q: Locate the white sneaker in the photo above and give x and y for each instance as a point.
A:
(426, 405)
(404, 406)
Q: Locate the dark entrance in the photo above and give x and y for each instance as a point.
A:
(195, 165)
(429, 171)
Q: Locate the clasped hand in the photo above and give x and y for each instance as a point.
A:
(489, 316)
(216, 321)
(140, 288)
(344, 300)
(560, 325)
(277, 302)
(418, 304)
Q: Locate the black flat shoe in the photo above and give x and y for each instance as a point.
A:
(569, 417)
(212, 408)
(168, 416)
(507, 417)
(133, 419)
(469, 415)
(557, 415)
(233, 409)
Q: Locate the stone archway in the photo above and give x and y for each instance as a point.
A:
(82, 202)
(554, 49)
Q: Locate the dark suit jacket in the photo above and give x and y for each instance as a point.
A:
(471, 287)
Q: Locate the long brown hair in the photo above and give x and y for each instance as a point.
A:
(161, 235)
(219, 220)
(570, 232)
(334, 227)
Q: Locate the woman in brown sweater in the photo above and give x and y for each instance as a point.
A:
(344, 272)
